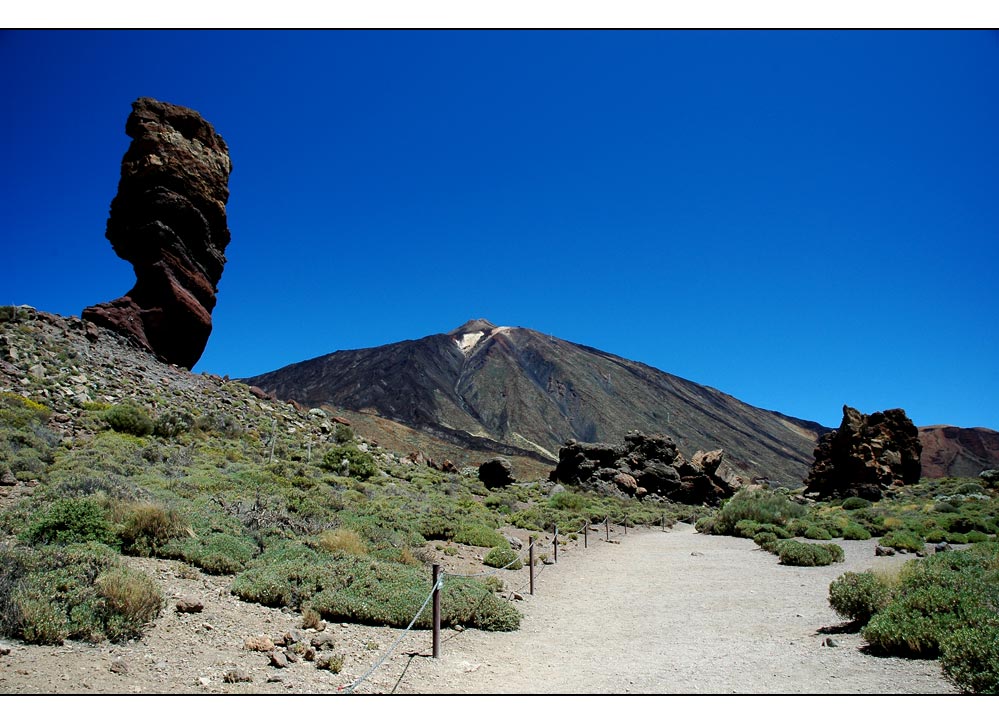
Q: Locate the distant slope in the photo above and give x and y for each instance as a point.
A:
(958, 451)
(489, 386)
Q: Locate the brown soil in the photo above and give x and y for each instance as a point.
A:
(650, 612)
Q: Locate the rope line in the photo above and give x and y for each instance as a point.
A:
(439, 584)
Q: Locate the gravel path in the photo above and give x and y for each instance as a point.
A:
(675, 613)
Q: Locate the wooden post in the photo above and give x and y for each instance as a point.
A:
(626, 525)
(585, 536)
(437, 610)
(530, 561)
(664, 522)
(555, 544)
(607, 528)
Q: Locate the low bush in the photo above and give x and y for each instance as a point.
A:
(78, 591)
(816, 532)
(856, 503)
(216, 553)
(129, 419)
(503, 557)
(903, 540)
(795, 553)
(855, 531)
(970, 658)
(350, 460)
(858, 596)
(705, 525)
(762, 506)
(71, 520)
(146, 527)
(475, 534)
(766, 540)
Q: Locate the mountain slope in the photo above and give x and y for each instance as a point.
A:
(958, 451)
(483, 385)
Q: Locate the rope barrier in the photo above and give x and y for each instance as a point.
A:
(438, 585)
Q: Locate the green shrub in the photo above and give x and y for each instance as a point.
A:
(765, 539)
(856, 504)
(956, 538)
(936, 535)
(130, 419)
(438, 527)
(795, 553)
(976, 536)
(915, 622)
(816, 532)
(173, 424)
(970, 658)
(217, 553)
(78, 591)
(343, 587)
(903, 540)
(854, 531)
(71, 520)
(503, 557)
(762, 506)
(474, 534)
(858, 596)
(705, 525)
(350, 460)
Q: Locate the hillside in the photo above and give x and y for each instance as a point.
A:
(484, 386)
(958, 451)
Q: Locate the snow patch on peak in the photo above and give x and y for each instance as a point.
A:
(467, 341)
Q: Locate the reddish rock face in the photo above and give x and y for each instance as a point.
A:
(169, 221)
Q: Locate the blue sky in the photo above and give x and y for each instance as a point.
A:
(800, 219)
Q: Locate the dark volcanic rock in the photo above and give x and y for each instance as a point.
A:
(644, 465)
(169, 221)
(865, 456)
(496, 473)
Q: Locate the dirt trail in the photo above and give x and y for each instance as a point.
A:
(674, 612)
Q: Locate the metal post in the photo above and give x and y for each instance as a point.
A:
(555, 544)
(530, 561)
(437, 610)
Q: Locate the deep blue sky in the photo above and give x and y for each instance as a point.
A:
(799, 219)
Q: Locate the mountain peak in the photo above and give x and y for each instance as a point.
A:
(472, 326)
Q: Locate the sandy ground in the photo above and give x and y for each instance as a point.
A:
(651, 612)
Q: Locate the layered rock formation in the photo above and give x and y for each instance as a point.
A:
(865, 456)
(169, 220)
(647, 465)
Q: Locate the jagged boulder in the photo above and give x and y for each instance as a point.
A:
(169, 220)
(646, 465)
(865, 456)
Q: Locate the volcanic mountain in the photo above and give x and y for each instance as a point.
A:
(520, 392)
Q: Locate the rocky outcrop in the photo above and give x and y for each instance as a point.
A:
(865, 456)
(647, 465)
(169, 221)
(496, 473)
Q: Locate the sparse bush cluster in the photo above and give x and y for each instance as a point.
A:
(943, 606)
